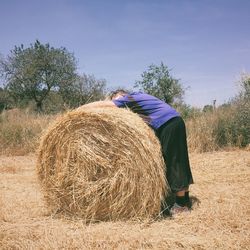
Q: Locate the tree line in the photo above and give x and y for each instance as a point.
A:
(40, 73)
(47, 77)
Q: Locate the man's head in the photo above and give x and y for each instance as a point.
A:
(117, 93)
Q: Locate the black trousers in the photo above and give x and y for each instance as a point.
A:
(173, 139)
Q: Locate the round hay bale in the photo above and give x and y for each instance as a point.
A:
(102, 164)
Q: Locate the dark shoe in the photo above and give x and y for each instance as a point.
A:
(166, 212)
(189, 204)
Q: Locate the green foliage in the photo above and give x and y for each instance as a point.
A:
(245, 87)
(4, 100)
(86, 88)
(207, 108)
(239, 125)
(233, 127)
(31, 73)
(186, 111)
(242, 124)
(158, 82)
(53, 104)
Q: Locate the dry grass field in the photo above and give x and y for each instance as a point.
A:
(220, 218)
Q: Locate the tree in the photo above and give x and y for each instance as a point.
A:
(207, 108)
(86, 88)
(158, 82)
(31, 73)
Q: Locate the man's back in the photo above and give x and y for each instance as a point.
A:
(154, 111)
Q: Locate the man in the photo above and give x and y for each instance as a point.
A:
(170, 129)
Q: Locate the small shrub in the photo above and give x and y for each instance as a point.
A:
(225, 127)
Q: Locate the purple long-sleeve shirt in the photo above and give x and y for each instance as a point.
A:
(153, 111)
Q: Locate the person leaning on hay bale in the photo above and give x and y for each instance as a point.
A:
(170, 129)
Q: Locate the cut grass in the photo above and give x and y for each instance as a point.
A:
(220, 218)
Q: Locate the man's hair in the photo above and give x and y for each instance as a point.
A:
(117, 91)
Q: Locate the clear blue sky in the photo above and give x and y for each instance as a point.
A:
(205, 43)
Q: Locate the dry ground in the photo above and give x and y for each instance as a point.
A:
(220, 217)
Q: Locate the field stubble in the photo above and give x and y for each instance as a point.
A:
(220, 218)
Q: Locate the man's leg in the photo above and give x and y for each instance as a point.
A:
(174, 146)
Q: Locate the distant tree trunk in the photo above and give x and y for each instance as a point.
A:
(39, 107)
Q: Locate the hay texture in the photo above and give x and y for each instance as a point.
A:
(102, 164)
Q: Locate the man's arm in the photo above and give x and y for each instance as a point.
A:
(98, 104)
